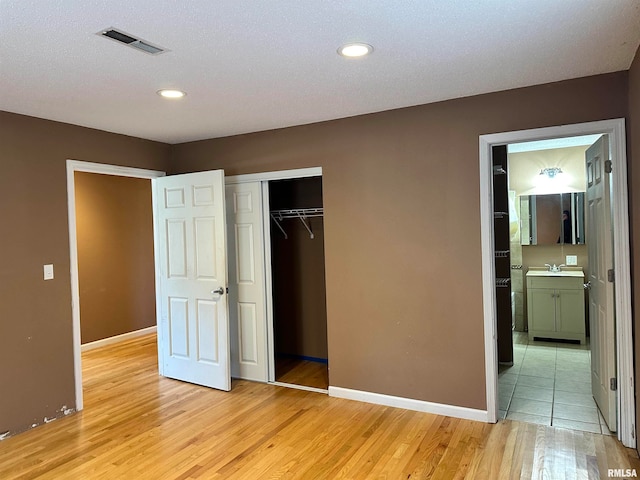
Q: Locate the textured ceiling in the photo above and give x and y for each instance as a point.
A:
(250, 65)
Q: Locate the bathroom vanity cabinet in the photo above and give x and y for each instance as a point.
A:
(555, 305)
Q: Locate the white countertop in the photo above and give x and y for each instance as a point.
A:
(546, 273)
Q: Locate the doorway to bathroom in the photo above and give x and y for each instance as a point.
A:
(561, 352)
(546, 375)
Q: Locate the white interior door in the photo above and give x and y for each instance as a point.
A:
(599, 244)
(247, 312)
(191, 278)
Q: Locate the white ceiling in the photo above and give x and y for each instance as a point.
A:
(251, 65)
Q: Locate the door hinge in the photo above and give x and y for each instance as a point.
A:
(611, 275)
(613, 384)
(608, 166)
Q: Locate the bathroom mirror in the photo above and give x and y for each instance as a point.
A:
(552, 219)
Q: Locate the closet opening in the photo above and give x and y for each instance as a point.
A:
(298, 283)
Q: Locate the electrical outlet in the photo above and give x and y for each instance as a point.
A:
(572, 260)
(48, 272)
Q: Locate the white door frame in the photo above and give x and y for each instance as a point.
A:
(620, 205)
(89, 167)
(264, 178)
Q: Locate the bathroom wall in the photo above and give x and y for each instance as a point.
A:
(538, 255)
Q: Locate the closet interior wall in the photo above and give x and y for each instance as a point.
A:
(299, 294)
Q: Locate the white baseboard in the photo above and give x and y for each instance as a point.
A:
(410, 404)
(118, 338)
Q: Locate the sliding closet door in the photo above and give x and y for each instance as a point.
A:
(247, 313)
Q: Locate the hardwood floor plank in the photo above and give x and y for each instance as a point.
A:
(139, 425)
(302, 372)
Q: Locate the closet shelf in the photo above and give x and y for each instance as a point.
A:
(300, 213)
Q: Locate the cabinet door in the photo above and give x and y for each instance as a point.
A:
(543, 309)
(571, 311)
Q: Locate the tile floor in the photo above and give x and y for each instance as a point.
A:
(549, 384)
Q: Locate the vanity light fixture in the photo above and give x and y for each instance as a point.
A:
(353, 50)
(169, 93)
(551, 172)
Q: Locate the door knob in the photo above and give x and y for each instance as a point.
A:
(219, 291)
(587, 286)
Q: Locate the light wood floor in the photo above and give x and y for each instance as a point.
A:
(302, 372)
(137, 425)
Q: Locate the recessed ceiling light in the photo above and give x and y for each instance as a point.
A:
(355, 50)
(168, 93)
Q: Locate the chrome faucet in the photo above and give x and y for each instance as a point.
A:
(554, 267)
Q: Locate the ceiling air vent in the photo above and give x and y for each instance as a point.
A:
(131, 41)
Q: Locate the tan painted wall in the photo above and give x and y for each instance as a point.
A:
(633, 145)
(402, 234)
(115, 255)
(402, 227)
(36, 352)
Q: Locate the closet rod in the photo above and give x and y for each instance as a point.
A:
(296, 212)
(300, 213)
